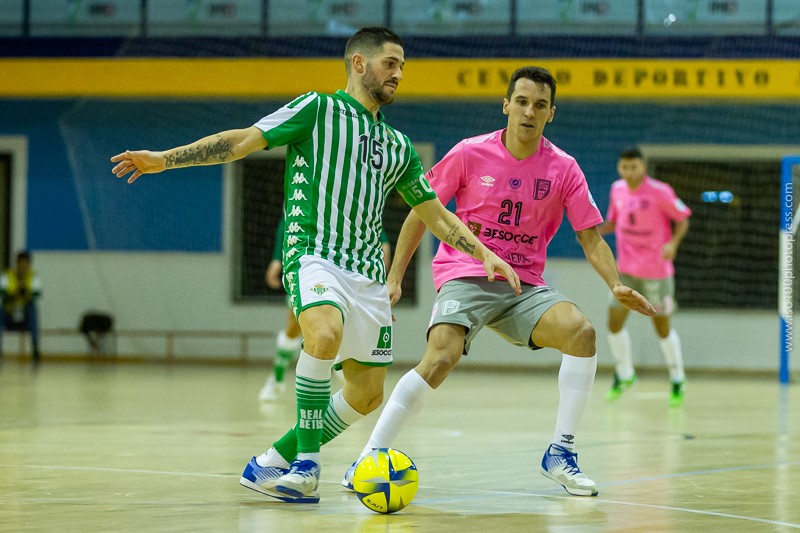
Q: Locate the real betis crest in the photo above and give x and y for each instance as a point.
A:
(319, 289)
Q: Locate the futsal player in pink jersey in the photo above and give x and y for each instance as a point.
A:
(649, 222)
(511, 187)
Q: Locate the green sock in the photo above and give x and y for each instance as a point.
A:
(282, 360)
(313, 397)
(287, 445)
(332, 425)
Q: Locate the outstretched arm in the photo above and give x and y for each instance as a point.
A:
(449, 229)
(602, 260)
(221, 147)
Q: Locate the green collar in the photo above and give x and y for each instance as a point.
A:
(361, 109)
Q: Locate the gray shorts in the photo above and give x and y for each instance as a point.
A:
(476, 302)
(659, 292)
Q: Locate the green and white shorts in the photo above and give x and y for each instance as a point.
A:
(659, 292)
(364, 304)
(477, 302)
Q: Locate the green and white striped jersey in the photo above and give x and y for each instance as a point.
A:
(341, 164)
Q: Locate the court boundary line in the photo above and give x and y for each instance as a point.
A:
(506, 493)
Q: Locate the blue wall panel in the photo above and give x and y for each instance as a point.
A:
(75, 203)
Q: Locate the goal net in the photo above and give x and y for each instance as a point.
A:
(789, 256)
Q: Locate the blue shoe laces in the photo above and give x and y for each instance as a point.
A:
(570, 458)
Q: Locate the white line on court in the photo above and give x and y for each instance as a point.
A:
(485, 492)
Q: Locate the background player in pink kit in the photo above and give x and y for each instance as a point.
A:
(511, 189)
(641, 213)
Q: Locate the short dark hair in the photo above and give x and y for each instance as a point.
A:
(369, 40)
(537, 74)
(24, 255)
(631, 152)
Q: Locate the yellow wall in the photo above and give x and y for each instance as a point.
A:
(424, 78)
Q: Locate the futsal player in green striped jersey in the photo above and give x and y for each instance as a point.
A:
(342, 161)
(290, 338)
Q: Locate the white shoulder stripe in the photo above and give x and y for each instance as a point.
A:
(285, 113)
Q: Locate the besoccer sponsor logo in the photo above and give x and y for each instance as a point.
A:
(319, 289)
(509, 236)
(515, 183)
(384, 346)
(385, 337)
(474, 227)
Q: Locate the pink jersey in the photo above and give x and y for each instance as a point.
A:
(643, 226)
(514, 207)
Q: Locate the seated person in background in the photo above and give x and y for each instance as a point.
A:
(20, 287)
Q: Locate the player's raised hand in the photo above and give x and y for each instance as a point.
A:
(633, 300)
(139, 162)
(493, 265)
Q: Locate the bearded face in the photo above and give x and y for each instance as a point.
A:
(380, 83)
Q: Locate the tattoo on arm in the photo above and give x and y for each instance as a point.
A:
(218, 151)
(451, 235)
(464, 246)
(458, 241)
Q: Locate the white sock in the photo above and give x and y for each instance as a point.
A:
(620, 345)
(339, 416)
(673, 355)
(272, 458)
(309, 456)
(575, 379)
(406, 401)
(310, 367)
(284, 342)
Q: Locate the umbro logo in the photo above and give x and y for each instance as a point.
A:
(487, 181)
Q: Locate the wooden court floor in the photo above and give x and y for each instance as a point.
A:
(103, 447)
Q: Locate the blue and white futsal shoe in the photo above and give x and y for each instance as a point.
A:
(347, 480)
(300, 482)
(561, 465)
(263, 479)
